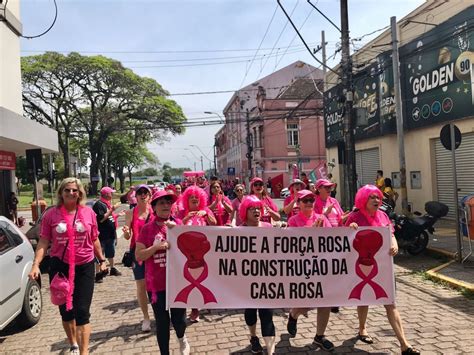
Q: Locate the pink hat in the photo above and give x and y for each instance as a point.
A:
(162, 193)
(297, 181)
(305, 193)
(106, 190)
(324, 182)
(143, 186)
(254, 180)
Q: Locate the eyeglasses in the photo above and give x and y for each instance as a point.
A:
(258, 184)
(307, 200)
(374, 197)
(71, 191)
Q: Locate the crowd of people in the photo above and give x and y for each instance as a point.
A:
(81, 239)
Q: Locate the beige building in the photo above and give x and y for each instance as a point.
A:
(17, 134)
(437, 77)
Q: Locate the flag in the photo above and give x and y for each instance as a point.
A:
(312, 176)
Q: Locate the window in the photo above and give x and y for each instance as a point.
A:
(293, 134)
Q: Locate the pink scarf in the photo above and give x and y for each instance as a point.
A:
(71, 234)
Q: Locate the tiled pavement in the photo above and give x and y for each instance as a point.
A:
(436, 320)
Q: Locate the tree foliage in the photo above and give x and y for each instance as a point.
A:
(93, 98)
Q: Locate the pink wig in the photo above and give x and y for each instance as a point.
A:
(249, 202)
(361, 199)
(194, 191)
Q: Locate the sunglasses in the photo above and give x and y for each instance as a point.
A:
(307, 200)
(142, 192)
(239, 190)
(258, 184)
(71, 191)
(165, 200)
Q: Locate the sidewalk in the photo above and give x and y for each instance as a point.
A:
(443, 242)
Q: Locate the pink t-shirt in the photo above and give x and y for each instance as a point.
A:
(222, 216)
(268, 204)
(236, 205)
(335, 216)
(301, 220)
(53, 229)
(295, 209)
(138, 223)
(155, 266)
(196, 220)
(362, 221)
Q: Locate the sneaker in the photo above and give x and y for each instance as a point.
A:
(410, 351)
(291, 326)
(115, 272)
(74, 350)
(99, 278)
(194, 316)
(323, 343)
(255, 346)
(146, 325)
(184, 347)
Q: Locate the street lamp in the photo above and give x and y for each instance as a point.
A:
(214, 113)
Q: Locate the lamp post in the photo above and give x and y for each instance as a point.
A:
(214, 113)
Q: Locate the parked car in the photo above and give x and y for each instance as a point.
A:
(20, 297)
(33, 235)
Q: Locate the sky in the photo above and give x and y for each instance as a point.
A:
(195, 46)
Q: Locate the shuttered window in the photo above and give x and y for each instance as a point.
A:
(464, 170)
(367, 164)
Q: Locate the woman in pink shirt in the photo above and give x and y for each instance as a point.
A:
(290, 205)
(367, 202)
(270, 209)
(240, 192)
(327, 205)
(135, 219)
(250, 211)
(306, 217)
(219, 204)
(151, 248)
(71, 230)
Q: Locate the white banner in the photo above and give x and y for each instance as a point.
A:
(247, 267)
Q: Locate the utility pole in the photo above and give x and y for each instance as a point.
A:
(215, 151)
(249, 145)
(323, 47)
(202, 166)
(348, 129)
(399, 114)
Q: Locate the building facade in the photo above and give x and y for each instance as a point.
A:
(278, 118)
(17, 134)
(437, 81)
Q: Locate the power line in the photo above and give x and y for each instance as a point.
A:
(49, 28)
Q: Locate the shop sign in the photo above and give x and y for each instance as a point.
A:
(7, 160)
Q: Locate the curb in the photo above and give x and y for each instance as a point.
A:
(458, 284)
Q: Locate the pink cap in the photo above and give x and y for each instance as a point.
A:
(324, 182)
(305, 193)
(254, 180)
(143, 186)
(106, 190)
(162, 193)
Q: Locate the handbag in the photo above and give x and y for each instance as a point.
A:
(59, 287)
(127, 259)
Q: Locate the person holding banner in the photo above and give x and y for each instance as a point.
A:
(290, 205)
(151, 247)
(219, 204)
(250, 211)
(135, 219)
(307, 217)
(270, 209)
(239, 192)
(195, 213)
(367, 202)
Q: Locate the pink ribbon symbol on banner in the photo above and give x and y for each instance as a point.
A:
(183, 295)
(194, 246)
(367, 243)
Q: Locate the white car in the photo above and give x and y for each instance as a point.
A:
(20, 297)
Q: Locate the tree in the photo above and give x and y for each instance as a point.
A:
(93, 98)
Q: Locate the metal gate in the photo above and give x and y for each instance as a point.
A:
(464, 170)
(367, 164)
